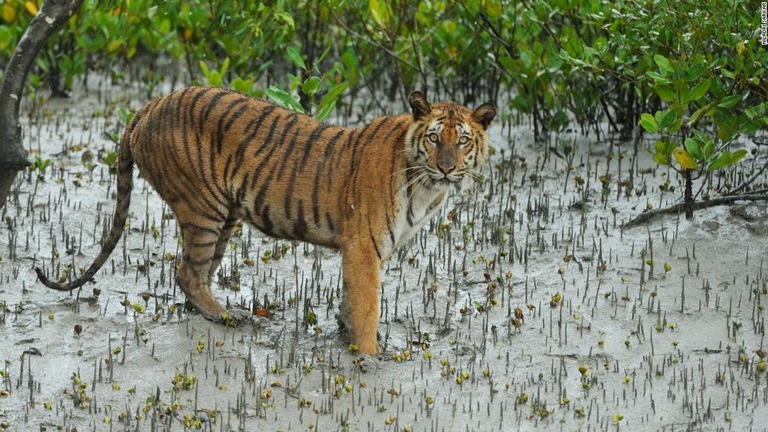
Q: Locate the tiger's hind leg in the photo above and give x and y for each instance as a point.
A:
(221, 245)
(199, 249)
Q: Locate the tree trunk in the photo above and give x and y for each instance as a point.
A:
(688, 197)
(13, 158)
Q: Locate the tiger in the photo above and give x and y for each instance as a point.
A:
(217, 157)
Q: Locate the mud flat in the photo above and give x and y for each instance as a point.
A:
(523, 305)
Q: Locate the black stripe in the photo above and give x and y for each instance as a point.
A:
(227, 167)
(172, 111)
(206, 178)
(196, 227)
(209, 106)
(202, 244)
(354, 178)
(391, 196)
(316, 133)
(240, 111)
(300, 226)
(248, 137)
(242, 191)
(330, 145)
(369, 130)
(351, 183)
(338, 150)
(373, 241)
(197, 262)
(249, 215)
(274, 145)
(271, 175)
(306, 145)
(189, 116)
(267, 226)
(221, 128)
(264, 186)
(288, 152)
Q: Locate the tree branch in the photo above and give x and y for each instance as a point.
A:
(13, 158)
(678, 208)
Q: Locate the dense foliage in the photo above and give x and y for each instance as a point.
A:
(670, 66)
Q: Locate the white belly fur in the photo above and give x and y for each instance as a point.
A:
(424, 204)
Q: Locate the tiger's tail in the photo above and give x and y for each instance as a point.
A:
(124, 187)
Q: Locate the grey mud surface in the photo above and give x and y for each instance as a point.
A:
(657, 327)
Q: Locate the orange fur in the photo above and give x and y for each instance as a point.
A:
(217, 156)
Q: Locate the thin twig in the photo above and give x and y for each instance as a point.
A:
(371, 41)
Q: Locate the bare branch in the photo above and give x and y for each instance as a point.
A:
(13, 158)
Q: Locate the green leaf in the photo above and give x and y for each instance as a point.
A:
(738, 156)
(204, 68)
(286, 18)
(243, 85)
(699, 112)
(750, 127)
(722, 160)
(668, 119)
(661, 79)
(648, 122)
(333, 94)
(693, 147)
(325, 111)
(665, 92)
(697, 92)
(311, 85)
(675, 126)
(295, 57)
(379, 12)
(663, 149)
(110, 158)
(493, 8)
(295, 83)
(661, 158)
(224, 68)
(284, 99)
(125, 115)
(664, 65)
(730, 101)
(756, 111)
(701, 136)
(165, 26)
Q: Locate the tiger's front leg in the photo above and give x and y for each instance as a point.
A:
(361, 269)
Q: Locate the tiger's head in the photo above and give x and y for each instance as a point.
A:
(447, 143)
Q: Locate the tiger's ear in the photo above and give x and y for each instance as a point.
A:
(484, 114)
(419, 105)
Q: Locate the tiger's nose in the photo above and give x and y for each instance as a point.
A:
(446, 168)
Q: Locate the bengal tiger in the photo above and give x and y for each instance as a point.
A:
(217, 156)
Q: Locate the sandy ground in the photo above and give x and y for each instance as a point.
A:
(522, 306)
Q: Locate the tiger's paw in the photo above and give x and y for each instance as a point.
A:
(212, 311)
(370, 348)
(229, 319)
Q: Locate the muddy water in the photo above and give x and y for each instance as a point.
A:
(655, 327)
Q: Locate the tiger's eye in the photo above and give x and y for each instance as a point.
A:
(433, 138)
(464, 140)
